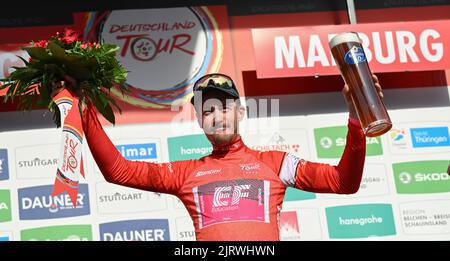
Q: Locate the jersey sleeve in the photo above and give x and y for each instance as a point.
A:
(344, 178)
(162, 177)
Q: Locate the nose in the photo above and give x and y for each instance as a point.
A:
(217, 116)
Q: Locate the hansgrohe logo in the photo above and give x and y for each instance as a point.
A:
(330, 142)
(190, 151)
(360, 221)
(421, 176)
(188, 147)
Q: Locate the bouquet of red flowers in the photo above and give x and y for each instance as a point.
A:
(64, 73)
(88, 70)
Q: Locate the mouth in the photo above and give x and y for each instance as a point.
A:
(220, 130)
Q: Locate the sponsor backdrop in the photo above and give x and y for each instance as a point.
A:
(404, 194)
(173, 47)
(405, 191)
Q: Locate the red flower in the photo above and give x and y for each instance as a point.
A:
(41, 43)
(94, 44)
(69, 36)
(30, 60)
(84, 45)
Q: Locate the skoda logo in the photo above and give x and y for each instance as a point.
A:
(326, 142)
(405, 177)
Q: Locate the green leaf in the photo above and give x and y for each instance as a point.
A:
(80, 73)
(56, 50)
(83, 61)
(55, 70)
(80, 108)
(60, 54)
(109, 114)
(95, 69)
(23, 60)
(44, 97)
(102, 97)
(114, 103)
(38, 53)
(56, 115)
(106, 111)
(26, 102)
(26, 75)
(5, 85)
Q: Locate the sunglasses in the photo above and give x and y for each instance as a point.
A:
(215, 79)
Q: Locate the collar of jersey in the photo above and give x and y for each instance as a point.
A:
(235, 146)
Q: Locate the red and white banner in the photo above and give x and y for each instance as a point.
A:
(70, 162)
(389, 47)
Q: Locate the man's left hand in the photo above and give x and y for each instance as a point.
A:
(348, 99)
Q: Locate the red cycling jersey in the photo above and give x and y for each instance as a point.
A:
(235, 193)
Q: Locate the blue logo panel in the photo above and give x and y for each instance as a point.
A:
(430, 137)
(136, 230)
(37, 203)
(4, 170)
(355, 55)
(138, 151)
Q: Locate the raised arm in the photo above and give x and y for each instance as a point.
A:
(344, 178)
(163, 178)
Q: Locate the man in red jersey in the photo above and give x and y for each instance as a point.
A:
(235, 193)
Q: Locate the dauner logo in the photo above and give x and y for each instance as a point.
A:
(37, 203)
(53, 204)
(135, 230)
(135, 235)
(230, 196)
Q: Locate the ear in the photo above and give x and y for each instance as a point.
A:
(241, 112)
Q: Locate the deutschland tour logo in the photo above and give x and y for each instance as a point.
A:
(165, 50)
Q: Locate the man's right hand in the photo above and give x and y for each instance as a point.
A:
(59, 86)
(68, 81)
(71, 81)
